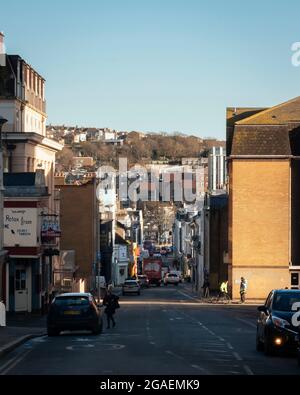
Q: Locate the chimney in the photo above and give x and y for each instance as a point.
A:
(2, 46)
(2, 50)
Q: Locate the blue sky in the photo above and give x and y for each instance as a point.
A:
(156, 65)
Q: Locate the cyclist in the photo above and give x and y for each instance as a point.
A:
(224, 291)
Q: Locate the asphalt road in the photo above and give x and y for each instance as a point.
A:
(163, 331)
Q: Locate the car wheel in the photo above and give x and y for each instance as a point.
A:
(176, 284)
(97, 330)
(52, 332)
(139, 293)
(123, 293)
(259, 344)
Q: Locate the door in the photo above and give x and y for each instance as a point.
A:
(295, 280)
(21, 291)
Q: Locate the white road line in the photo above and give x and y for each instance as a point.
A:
(215, 351)
(16, 362)
(174, 355)
(201, 369)
(187, 296)
(229, 346)
(6, 364)
(153, 344)
(211, 332)
(221, 339)
(237, 356)
(247, 322)
(248, 370)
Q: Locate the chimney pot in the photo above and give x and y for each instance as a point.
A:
(2, 49)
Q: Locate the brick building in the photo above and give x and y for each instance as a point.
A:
(80, 225)
(263, 148)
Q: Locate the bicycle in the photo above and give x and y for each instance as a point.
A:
(224, 299)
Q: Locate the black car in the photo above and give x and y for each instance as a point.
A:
(74, 311)
(275, 329)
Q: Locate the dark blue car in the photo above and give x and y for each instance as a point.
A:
(74, 311)
(277, 324)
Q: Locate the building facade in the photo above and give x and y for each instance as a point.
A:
(263, 148)
(80, 226)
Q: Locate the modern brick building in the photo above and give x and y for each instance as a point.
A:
(263, 149)
(80, 223)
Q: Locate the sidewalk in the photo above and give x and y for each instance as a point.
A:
(188, 288)
(19, 329)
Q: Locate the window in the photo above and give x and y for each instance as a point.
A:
(72, 301)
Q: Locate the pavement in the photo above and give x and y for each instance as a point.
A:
(19, 329)
(165, 330)
(188, 287)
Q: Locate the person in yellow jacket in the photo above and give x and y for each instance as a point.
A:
(224, 290)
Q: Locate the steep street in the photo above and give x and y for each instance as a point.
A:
(163, 331)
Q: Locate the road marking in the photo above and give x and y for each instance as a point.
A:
(153, 344)
(247, 322)
(201, 369)
(174, 355)
(186, 295)
(248, 370)
(237, 356)
(229, 346)
(211, 332)
(82, 340)
(221, 338)
(215, 351)
(7, 363)
(16, 362)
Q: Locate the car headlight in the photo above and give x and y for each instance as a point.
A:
(280, 322)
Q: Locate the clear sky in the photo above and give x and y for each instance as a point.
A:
(156, 65)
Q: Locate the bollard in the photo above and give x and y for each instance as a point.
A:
(2, 314)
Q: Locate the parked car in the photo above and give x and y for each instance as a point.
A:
(179, 274)
(131, 286)
(171, 278)
(298, 350)
(143, 281)
(74, 311)
(275, 330)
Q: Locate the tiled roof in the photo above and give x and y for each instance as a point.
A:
(261, 140)
(278, 115)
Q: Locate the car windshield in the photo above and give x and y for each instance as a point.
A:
(130, 283)
(72, 301)
(284, 301)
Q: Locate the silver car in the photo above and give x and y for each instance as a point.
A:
(131, 286)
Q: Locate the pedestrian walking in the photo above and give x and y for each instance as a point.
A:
(111, 301)
(243, 289)
(205, 288)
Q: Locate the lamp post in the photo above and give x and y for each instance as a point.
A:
(2, 122)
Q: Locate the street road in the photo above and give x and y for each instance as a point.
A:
(163, 331)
